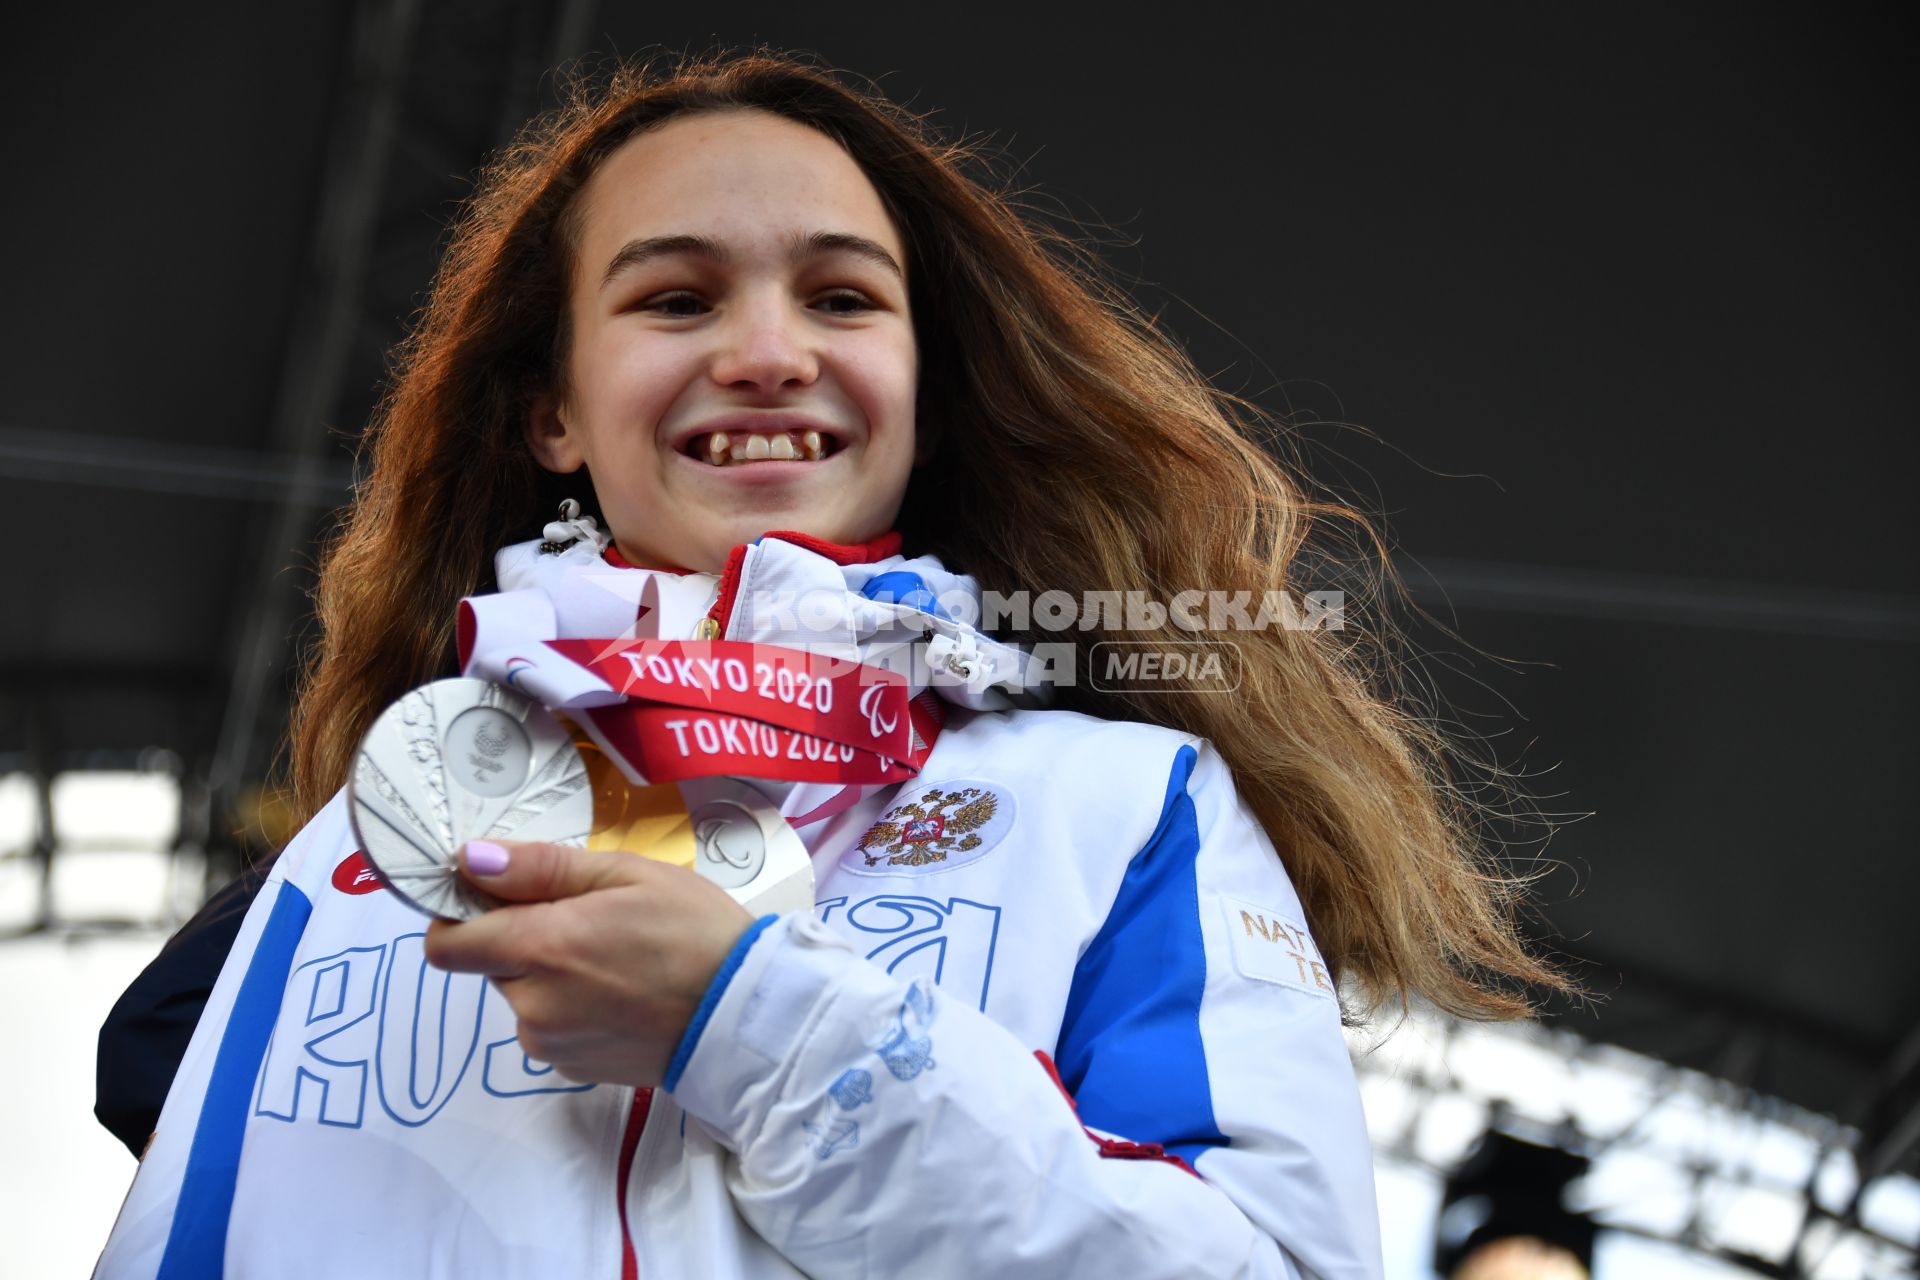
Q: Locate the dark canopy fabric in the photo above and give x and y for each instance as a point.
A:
(1622, 297)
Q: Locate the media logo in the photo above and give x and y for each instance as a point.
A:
(1150, 666)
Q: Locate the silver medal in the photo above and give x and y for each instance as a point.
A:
(742, 844)
(460, 760)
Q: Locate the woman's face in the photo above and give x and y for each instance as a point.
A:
(738, 299)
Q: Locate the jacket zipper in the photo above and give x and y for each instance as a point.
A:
(711, 627)
(629, 1144)
(714, 625)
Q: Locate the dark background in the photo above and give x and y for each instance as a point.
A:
(1609, 309)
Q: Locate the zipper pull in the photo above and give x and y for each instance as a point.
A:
(711, 626)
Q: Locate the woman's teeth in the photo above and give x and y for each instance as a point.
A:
(725, 449)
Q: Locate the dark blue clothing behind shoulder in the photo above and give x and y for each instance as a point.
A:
(147, 1032)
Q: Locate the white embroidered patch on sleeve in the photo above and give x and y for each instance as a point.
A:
(1271, 947)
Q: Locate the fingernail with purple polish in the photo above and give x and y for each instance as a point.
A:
(485, 858)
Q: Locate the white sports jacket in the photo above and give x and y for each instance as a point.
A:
(868, 1092)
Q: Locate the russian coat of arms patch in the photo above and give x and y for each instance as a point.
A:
(943, 826)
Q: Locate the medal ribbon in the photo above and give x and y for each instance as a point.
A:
(697, 708)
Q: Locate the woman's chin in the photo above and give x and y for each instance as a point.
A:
(704, 545)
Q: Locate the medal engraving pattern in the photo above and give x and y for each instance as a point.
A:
(412, 811)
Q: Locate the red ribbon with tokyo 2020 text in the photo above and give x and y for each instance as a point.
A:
(697, 708)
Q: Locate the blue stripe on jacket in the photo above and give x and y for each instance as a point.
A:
(1130, 1050)
(197, 1242)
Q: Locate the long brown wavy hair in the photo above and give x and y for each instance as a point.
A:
(1082, 452)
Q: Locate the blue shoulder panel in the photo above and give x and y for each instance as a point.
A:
(1130, 1049)
(197, 1241)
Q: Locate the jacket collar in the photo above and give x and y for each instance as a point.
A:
(864, 601)
(880, 548)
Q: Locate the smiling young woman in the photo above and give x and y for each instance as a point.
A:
(737, 278)
(1070, 1000)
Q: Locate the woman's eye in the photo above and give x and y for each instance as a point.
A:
(678, 305)
(846, 302)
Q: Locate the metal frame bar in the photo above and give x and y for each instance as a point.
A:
(1560, 591)
(179, 470)
(319, 346)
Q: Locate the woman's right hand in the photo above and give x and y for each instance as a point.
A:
(603, 956)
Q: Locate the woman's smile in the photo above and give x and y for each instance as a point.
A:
(760, 438)
(747, 469)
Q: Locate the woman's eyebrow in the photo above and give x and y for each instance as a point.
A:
(799, 246)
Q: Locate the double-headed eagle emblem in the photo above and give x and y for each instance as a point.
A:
(913, 835)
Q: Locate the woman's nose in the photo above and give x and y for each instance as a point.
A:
(767, 347)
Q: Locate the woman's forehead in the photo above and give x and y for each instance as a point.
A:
(749, 180)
